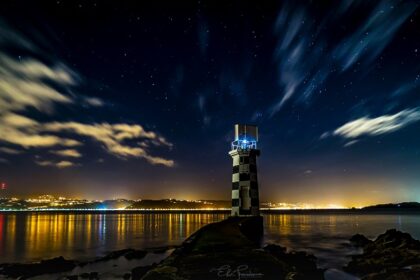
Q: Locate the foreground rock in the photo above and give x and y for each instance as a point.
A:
(230, 249)
(44, 267)
(61, 265)
(393, 255)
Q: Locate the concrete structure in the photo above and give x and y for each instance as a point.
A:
(244, 152)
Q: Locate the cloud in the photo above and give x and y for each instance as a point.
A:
(350, 143)
(371, 38)
(27, 83)
(160, 161)
(30, 83)
(11, 37)
(379, 125)
(22, 131)
(35, 81)
(9, 151)
(307, 56)
(59, 164)
(94, 101)
(112, 136)
(67, 153)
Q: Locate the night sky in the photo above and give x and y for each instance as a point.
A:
(101, 100)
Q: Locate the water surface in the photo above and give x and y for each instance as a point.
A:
(26, 237)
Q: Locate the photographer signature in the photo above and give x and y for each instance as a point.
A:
(239, 272)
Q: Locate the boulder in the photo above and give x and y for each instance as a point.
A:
(55, 265)
(231, 249)
(360, 240)
(129, 254)
(387, 257)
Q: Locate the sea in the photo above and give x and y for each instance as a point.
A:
(33, 236)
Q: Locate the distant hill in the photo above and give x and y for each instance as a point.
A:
(394, 206)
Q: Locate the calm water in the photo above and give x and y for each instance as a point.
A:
(28, 237)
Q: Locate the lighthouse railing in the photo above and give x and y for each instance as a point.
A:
(244, 145)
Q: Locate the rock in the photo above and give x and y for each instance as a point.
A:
(334, 274)
(394, 275)
(359, 240)
(300, 262)
(138, 272)
(164, 273)
(129, 254)
(387, 256)
(94, 275)
(231, 249)
(55, 265)
(135, 254)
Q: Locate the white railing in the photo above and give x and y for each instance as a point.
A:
(244, 145)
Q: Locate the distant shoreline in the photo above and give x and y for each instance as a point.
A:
(379, 211)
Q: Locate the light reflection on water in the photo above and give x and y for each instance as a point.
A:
(33, 236)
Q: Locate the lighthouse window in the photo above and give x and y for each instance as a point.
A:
(243, 176)
(244, 160)
(244, 168)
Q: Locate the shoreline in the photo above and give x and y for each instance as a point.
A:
(220, 211)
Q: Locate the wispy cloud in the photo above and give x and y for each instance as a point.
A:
(3, 160)
(11, 37)
(371, 38)
(307, 56)
(113, 137)
(60, 164)
(25, 84)
(37, 82)
(67, 153)
(367, 126)
(94, 101)
(22, 131)
(350, 143)
(9, 151)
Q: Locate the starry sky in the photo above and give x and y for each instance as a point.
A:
(138, 100)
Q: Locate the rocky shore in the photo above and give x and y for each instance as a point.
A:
(392, 255)
(232, 249)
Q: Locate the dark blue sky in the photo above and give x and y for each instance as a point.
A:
(139, 100)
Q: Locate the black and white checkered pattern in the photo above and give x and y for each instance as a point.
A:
(245, 199)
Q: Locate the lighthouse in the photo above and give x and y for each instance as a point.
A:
(244, 152)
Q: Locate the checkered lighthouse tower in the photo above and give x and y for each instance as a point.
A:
(245, 199)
